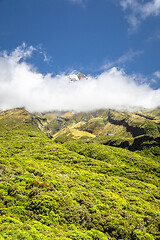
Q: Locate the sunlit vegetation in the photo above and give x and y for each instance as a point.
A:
(75, 190)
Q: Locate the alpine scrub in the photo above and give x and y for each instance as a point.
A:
(79, 190)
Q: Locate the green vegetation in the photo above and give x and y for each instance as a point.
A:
(76, 190)
(109, 127)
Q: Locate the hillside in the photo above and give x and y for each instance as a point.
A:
(80, 188)
(131, 130)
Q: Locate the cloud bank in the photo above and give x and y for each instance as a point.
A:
(22, 86)
(139, 10)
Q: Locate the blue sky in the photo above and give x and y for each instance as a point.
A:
(91, 36)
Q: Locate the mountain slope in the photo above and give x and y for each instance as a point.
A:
(115, 128)
(75, 190)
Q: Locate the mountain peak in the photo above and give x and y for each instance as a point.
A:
(77, 77)
(81, 76)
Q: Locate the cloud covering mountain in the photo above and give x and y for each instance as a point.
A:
(22, 85)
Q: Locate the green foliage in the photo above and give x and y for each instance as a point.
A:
(75, 190)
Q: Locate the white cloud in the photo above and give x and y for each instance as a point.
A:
(157, 74)
(77, 1)
(155, 36)
(139, 10)
(46, 57)
(151, 8)
(129, 56)
(21, 52)
(21, 85)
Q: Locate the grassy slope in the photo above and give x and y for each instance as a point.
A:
(109, 127)
(134, 131)
(75, 190)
